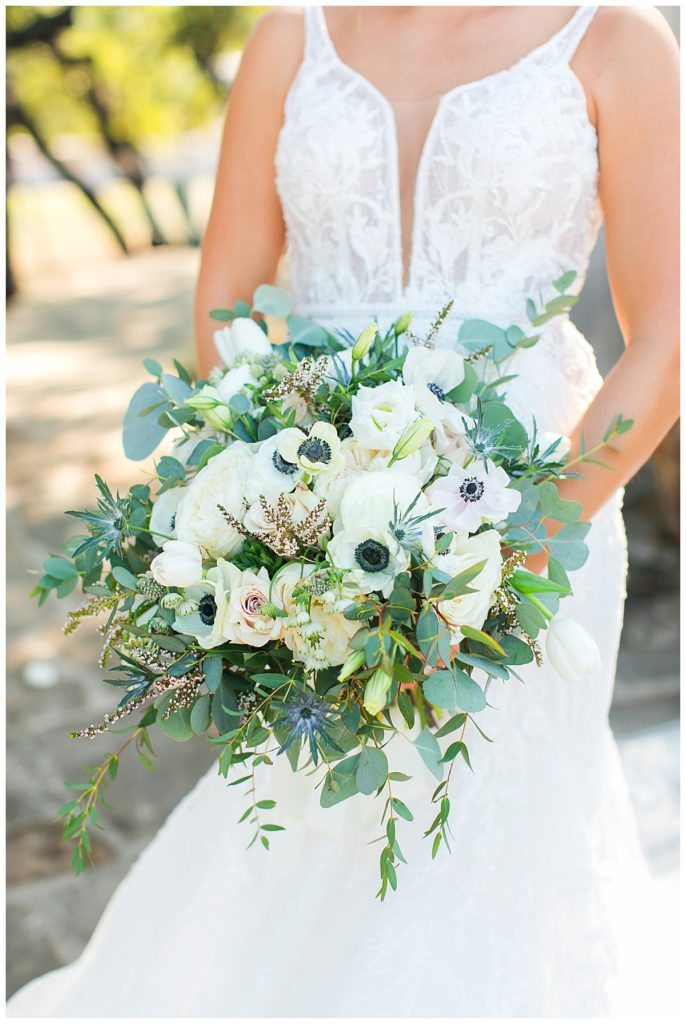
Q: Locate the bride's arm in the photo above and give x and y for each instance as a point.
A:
(245, 233)
(636, 95)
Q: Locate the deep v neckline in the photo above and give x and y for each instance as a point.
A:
(386, 105)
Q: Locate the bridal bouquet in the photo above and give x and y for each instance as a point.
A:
(333, 544)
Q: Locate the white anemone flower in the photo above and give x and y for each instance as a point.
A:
(392, 502)
(318, 451)
(163, 515)
(270, 474)
(432, 374)
(372, 556)
(472, 495)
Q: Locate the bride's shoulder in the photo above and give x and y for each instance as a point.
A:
(621, 36)
(272, 53)
(629, 60)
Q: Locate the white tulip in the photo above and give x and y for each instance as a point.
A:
(241, 337)
(571, 650)
(178, 565)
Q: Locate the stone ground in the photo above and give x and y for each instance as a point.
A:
(74, 355)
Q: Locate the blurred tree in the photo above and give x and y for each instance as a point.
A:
(127, 75)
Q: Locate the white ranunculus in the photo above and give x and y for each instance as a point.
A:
(432, 373)
(220, 482)
(243, 622)
(371, 555)
(381, 414)
(242, 337)
(465, 552)
(270, 475)
(472, 495)
(163, 516)
(179, 564)
(571, 650)
(382, 500)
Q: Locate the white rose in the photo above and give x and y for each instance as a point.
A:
(464, 552)
(379, 415)
(163, 515)
(243, 622)
(220, 482)
(241, 337)
(571, 650)
(178, 565)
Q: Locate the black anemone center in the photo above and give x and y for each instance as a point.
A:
(207, 610)
(372, 556)
(436, 390)
(279, 463)
(471, 489)
(315, 449)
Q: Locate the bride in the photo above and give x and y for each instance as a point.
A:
(411, 155)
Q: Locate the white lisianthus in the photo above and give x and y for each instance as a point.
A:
(472, 495)
(432, 374)
(571, 650)
(318, 451)
(243, 622)
(163, 515)
(303, 412)
(381, 414)
(463, 553)
(220, 482)
(390, 501)
(241, 337)
(179, 564)
(370, 554)
(270, 475)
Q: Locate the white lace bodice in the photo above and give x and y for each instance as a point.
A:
(505, 197)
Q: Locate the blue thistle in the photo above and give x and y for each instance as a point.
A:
(307, 717)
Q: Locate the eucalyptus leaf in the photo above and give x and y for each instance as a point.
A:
(372, 770)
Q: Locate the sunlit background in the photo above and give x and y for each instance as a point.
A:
(114, 117)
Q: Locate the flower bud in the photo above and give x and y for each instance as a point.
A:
(350, 665)
(402, 323)
(412, 438)
(571, 650)
(376, 691)
(207, 398)
(364, 342)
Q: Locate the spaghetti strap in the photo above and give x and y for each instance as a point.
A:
(571, 35)
(315, 36)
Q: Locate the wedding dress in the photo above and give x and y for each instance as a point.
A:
(530, 914)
